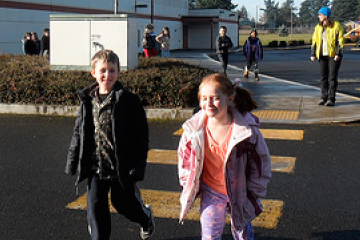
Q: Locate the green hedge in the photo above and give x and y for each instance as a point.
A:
(158, 82)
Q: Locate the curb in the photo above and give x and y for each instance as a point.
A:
(72, 111)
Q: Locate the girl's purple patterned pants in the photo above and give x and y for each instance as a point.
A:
(213, 212)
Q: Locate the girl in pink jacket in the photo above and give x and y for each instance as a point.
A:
(224, 159)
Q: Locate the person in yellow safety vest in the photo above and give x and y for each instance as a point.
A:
(327, 47)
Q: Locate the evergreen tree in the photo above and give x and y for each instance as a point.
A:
(306, 13)
(345, 10)
(212, 4)
(243, 13)
(271, 12)
(286, 14)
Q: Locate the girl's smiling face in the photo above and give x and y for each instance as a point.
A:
(213, 101)
(106, 74)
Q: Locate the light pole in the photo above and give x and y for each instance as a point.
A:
(116, 6)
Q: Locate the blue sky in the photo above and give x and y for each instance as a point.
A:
(251, 5)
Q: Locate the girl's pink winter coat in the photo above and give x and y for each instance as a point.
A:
(247, 171)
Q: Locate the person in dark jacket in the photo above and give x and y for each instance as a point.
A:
(37, 42)
(223, 43)
(29, 45)
(109, 149)
(45, 44)
(253, 52)
(149, 42)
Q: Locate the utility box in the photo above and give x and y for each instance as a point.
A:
(74, 39)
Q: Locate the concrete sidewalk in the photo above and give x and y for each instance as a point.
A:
(282, 101)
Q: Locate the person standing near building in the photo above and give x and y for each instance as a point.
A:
(29, 45)
(253, 52)
(37, 42)
(148, 41)
(223, 44)
(224, 159)
(45, 44)
(109, 149)
(164, 40)
(327, 46)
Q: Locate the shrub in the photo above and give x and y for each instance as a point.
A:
(158, 82)
(273, 44)
(293, 43)
(283, 44)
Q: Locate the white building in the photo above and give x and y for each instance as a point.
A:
(190, 29)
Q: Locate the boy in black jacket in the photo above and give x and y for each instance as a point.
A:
(223, 43)
(109, 148)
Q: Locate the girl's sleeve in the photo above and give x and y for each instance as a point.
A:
(185, 153)
(259, 171)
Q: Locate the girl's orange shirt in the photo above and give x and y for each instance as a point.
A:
(214, 161)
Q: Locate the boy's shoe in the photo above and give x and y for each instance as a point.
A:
(322, 102)
(148, 232)
(257, 77)
(330, 104)
(246, 74)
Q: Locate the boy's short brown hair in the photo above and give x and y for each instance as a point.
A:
(107, 56)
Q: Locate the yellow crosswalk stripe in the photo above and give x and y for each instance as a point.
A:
(278, 134)
(277, 114)
(166, 204)
(169, 157)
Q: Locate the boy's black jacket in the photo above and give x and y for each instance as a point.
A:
(130, 133)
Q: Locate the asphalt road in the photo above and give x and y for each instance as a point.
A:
(295, 65)
(320, 197)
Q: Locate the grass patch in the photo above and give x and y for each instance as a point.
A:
(267, 38)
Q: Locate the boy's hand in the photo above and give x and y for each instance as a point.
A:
(312, 59)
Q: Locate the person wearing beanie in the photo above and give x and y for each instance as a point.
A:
(327, 46)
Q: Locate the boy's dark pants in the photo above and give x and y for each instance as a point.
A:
(329, 69)
(126, 200)
(224, 60)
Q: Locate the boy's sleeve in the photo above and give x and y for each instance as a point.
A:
(244, 48)
(73, 151)
(140, 138)
(229, 43)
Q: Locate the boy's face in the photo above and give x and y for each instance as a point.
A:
(253, 34)
(222, 32)
(106, 74)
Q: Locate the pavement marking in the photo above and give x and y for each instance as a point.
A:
(277, 114)
(283, 164)
(283, 134)
(279, 134)
(166, 204)
(170, 157)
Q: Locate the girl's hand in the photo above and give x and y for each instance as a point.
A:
(336, 58)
